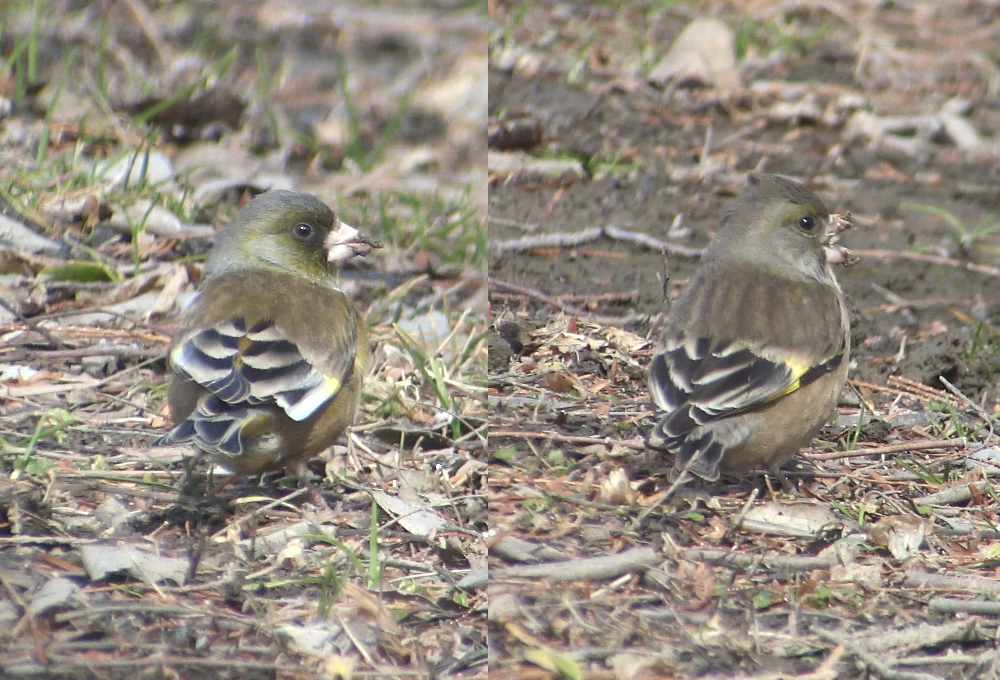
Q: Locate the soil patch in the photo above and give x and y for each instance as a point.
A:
(569, 409)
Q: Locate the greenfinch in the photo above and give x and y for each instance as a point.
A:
(269, 359)
(754, 352)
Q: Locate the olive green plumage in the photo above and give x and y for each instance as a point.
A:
(754, 352)
(269, 360)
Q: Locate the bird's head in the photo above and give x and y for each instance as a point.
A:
(287, 231)
(779, 220)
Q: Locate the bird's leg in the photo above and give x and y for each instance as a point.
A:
(186, 474)
(314, 495)
(185, 479)
(301, 471)
(671, 490)
(786, 485)
(648, 456)
(269, 484)
(738, 521)
(222, 485)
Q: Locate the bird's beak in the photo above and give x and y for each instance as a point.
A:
(345, 242)
(834, 252)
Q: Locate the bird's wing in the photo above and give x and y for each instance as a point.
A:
(694, 385)
(700, 378)
(219, 427)
(252, 358)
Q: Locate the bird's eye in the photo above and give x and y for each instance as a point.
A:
(302, 231)
(807, 223)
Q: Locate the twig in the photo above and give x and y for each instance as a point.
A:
(572, 239)
(95, 351)
(917, 388)
(956, 494)
(582, 502)
(12, 592)
(682, 478)
(46, 540)
(778, 564)
(627, 296)
(102, 102)
(979, 410)
(596, 568)
(523, 226)
(883, 388)
(950, 660)
(951, 605)
(967, 583)
(145, 607)
(920, 635)
(827, 669)
(33, 390)
(52, 340)
(610, 254)
(648, 241)
(27, 391)
(743, 513)
(150, 28)
(62, 666)
(552, 240)
(567, 309)
(358, 644)
(869, 660)
(261, 510)
(137, 335)
(919, 304)
(634, 444)
(933, 259)
(894, 448)
(541, 402)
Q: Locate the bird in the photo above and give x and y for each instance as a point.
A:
(754, 352)
(268, 361)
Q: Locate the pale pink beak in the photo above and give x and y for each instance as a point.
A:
(345, 242)
(834, 252)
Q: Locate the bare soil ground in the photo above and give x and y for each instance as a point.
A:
(130, 132)
(856, 99)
